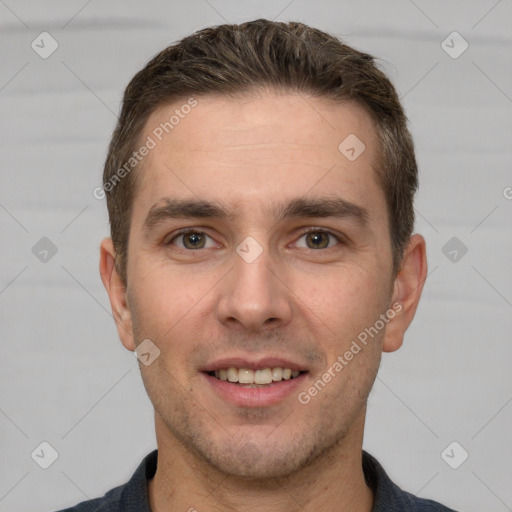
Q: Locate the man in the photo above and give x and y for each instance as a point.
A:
(260, 187)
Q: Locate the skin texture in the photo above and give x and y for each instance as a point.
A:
(295, 302)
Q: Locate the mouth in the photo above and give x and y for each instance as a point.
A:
(254, 382)
(255, 378)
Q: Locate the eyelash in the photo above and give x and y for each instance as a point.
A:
(338, 238)
(187, 231)
(183, 232)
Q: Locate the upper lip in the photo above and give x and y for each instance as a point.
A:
(253, 363)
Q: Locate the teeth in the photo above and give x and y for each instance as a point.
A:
(247, 376)
(277, 374)
(263, 376)
(232, 374)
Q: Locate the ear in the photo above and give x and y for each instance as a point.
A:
(116, 290)
(407, 292)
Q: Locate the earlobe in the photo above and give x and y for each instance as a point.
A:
(116, 290)
(407, 292)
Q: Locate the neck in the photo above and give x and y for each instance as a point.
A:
(183, 481)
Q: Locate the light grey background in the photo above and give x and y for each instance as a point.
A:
(66, 379)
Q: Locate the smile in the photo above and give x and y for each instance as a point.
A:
(248, 377)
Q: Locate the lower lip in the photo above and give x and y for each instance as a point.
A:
(255, 397)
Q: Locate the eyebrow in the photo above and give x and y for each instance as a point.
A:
(323, 207)
(184, 208)
(173, 208)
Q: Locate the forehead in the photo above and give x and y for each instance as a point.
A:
(259, 147)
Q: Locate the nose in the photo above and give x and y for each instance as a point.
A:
(253, 297)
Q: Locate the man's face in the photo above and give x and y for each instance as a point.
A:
(285, 266)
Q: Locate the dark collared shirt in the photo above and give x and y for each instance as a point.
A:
(133, 496)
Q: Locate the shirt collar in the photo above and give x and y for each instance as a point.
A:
(387, 495)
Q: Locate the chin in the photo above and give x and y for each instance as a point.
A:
(259, 460)
(249, 463)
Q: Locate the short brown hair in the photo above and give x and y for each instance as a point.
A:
(232, 59)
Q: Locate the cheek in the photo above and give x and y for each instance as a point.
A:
(343, 301)
(170, 303)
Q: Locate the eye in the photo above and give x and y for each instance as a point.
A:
(192, 239)
(317, 239)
